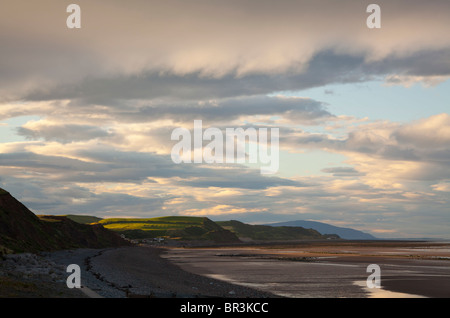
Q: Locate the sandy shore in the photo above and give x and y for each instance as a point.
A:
(294, 271)
(313, 270)
(140, 271)
(110, 273)
(337, 270)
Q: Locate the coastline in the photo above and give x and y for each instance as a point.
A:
(124, 272)
(141, 272)
(336, 270)
(309, 271)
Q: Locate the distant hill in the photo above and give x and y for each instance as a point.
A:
(23, 231)
(174, 227)
(323, 228)
(83, 219)
(270, 233)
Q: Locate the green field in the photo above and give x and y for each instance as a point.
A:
(154, 225)
(166, 222)
(174, 227)
(197, 228)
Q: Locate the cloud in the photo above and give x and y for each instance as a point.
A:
(245, 179)
(383, 231)
(408, 81)
(383, 154)
(432, 132)
(101, 163)
(442, 186)
(138, 49)
(423, 141)
(97, 121)
(107, 97)
(63, 133)
(342, 171)
(299, 110)
(46, 196)
(222, 210)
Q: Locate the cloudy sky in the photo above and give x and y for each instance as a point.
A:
(86, 114)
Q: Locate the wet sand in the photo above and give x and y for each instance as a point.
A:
(301, 270)
(141, 272)
(315, 270)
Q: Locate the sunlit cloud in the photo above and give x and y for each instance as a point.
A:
(221, 210)
(443, 187)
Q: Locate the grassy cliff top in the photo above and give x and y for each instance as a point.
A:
(175, 227)
(83, 219)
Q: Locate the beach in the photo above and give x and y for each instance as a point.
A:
(337, 270)
(141, 272)
(301, 270)
(127, 272)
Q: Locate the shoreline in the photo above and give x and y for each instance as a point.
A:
(408, 269)
(141, 272)
(124, 272)
(217, 271)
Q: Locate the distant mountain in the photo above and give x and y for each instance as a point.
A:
(23, 231)
(323, 228)
(270, 233)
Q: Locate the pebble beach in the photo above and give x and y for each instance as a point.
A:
(112, 273)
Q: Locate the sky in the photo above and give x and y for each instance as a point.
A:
(86, 114)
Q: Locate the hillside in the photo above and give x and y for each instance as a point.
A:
(23, 231)
(174, 227)
(323, 228)
(270, 233)
(83, 219)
